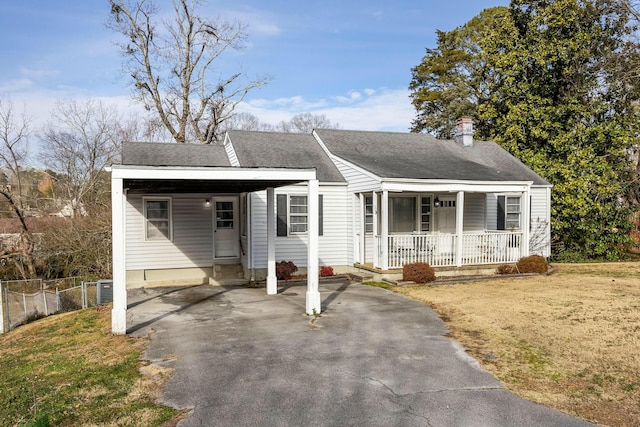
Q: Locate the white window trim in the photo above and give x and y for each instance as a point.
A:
(431, 207)
(289, 222)
(418, 212)
(506, 200)
(372, 215)
(145, 220)
(506, 211)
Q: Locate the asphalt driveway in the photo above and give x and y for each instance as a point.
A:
(373, 358)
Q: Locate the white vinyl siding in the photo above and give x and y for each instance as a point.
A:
(231, 153)
(540, 235)
(335, 244)
(474, 211)
(358, 181)
(192, 235)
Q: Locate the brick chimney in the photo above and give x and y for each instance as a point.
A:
(464, 131)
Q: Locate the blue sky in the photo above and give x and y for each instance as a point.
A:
(349, 60)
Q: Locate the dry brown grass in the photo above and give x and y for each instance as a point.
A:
(570, 340)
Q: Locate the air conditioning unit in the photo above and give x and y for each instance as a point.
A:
(105, 291)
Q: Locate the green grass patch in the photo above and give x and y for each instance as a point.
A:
(70, 370)
(383, 285)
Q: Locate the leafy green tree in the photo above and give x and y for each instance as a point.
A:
(543, 79)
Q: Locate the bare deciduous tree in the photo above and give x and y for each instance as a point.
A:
(14, 136)
(300, 123)
(81, 139)
(305, 123)
(247, 121)
(172, 65)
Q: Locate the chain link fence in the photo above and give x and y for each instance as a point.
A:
(23, 301)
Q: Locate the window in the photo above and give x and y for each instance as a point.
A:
(513, 213)
(368, 214)
(157, 217)
(402, 214)
(425, 213)
(224, 215)
(509, 213)
(293, 220)
(297, 214)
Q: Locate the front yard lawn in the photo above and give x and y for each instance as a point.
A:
(69, 370)
(570, 340)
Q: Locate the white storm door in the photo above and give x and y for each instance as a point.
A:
(447, 217)
(225, 227)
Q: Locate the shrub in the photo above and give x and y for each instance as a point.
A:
(326, 271)
(506, 269)
(284, 270)
(532, 264)
(418, 272)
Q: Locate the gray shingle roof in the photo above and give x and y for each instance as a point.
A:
(421, 156)
(283, 150)
(172, 154)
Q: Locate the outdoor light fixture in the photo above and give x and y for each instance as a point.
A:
(436, 202)
(207, 203)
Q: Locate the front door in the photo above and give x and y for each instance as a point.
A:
(225, 227)
(447, 216)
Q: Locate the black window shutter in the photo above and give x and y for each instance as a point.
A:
(320, 218)
(281, 210)
(501, 215)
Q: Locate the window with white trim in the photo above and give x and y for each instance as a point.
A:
(297, 214)
(402, 214)
(513, 213)
(292, 214)
(157, 218)
(509, 212)
(368, 214)
(425, 213)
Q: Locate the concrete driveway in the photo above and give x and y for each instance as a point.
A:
(373, 358)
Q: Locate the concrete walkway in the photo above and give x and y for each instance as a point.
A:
(373, 358)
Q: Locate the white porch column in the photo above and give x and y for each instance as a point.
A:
(362, 228)
(384, 241)
(118, 230)
(459, 227)
(376, 231)
(525, 219)
(313, 295)
(272, 280)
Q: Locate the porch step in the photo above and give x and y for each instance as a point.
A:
(228, 271)
(361, 276)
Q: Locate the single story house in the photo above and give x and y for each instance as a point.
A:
(182, 213)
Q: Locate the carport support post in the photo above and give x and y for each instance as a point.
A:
(459, 227)
(313, 295)
(119, 311)
(272, 280)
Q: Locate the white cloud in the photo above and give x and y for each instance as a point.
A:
(384, 109)
(15, 85)
(38, 73)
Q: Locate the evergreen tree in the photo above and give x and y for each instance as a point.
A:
(549, 81)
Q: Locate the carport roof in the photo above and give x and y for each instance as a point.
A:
(154, 167)
(172, 154)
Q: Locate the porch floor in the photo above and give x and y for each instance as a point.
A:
(395, 274)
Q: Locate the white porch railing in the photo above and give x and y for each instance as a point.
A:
(439, 250)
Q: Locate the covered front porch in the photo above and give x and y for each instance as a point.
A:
(442, 224)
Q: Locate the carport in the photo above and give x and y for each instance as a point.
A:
(230, 180)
